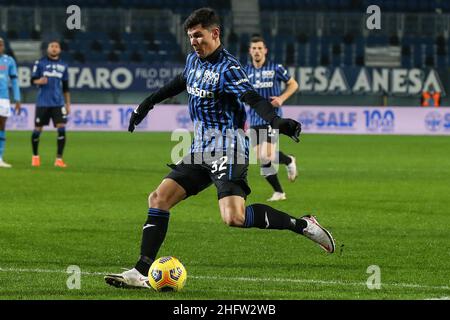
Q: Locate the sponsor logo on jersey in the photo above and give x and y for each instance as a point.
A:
(200, 93)
(236, 83)
(266, 84)
(210, 77)
(53, 74)
(268, 74)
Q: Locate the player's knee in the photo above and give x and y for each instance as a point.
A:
(153, 199)
(232, 217)
(267, 169)
(265, 159)
(158, 200)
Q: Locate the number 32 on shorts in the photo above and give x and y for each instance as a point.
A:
(218, 166)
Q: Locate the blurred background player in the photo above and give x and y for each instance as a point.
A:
(8, 70)
(53, 102)
(266, 77)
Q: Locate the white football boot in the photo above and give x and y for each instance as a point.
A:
(318, 234)
(3, 164)
(277, 196)
(291, 169)
(130, 279)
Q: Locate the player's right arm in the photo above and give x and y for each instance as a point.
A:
(12, 71)
(36, 76)
(171, 89)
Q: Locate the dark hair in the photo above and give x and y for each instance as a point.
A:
(52, 41)
(206, 17)
(257, 38)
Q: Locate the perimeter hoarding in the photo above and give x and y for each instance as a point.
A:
(314, 119)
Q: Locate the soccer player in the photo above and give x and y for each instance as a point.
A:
(8, 72)
(53, 102)
(215, 82)
(266, 77)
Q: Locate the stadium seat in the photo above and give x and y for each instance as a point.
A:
(406, 62)
(377, 40)
(114, 56)
(136, 57)
(417, 55)
(79, 57)
(301, 54)
(96, 46)
(313, 52)
(442, 61)
(94, 56)
(348, 55)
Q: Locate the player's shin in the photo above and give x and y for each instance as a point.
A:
(61, 142)
(270, 173)
(284, 159)
(153, 235)
(265, 217)
(2, 143)
(35, 141)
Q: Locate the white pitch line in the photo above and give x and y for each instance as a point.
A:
(324, 282)
(312, 281)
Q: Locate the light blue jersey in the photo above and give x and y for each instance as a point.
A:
(8, 72)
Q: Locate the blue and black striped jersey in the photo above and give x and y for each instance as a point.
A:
(214, 87)
(50, 94)
(267, 82)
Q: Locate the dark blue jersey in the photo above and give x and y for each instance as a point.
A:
(214, 86)
(267, 82)
(50, 94)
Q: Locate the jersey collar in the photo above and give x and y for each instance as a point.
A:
(213, 57)
(53, 60)
(263, 65)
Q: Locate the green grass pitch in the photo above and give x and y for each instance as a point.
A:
(386, 200)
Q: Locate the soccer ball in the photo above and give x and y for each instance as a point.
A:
(167, 274)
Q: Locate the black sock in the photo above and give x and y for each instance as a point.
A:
(35, 141)
(153, 234)
(274, 182)
(270, 173)
(284, 159)
(61, 142)
(265, 217)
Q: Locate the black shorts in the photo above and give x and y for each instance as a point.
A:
(44, 114)
(229, 177)
(264, 133)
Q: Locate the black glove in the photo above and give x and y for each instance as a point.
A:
(288, 127)
(140, 113)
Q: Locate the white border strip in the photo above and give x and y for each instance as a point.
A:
(311, 281)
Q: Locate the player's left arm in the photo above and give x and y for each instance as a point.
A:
(235, 81)
(291, 88)
(265, 110)
(282, 74)
(14, 84)
(66, 93)
(66, 90)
